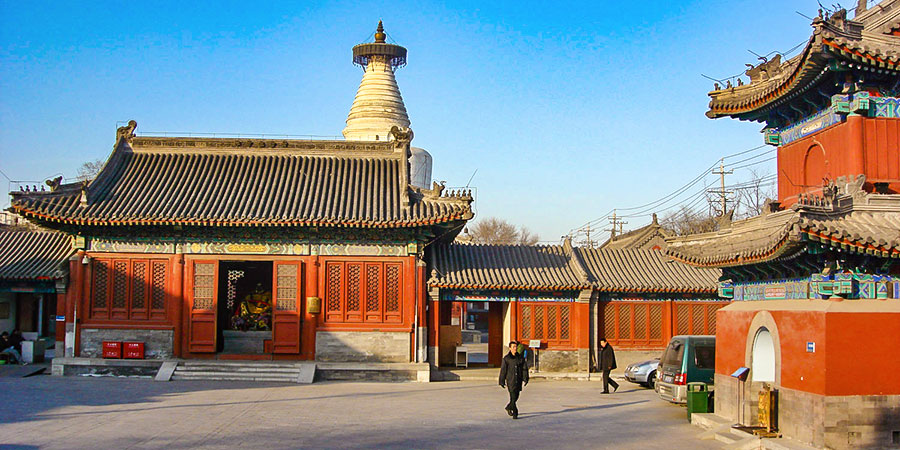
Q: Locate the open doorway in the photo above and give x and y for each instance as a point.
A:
(244, 312)
(476, 328)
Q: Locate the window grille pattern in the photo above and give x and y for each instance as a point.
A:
(625, 331)
(609, 322)
(683, 319)
(353, 293)
(711, 318)
(333, 289)
(120, 284)
(127, 289)
(551, 324)
(101, 278)
(656, 321)
(699, 319)
(286, 277)
(392, 288)
(526, 322)
(204, 285)
(640, 321)
(158, 286)
(373, 278)
(139, 285)
(368, 292)
(547, 321)
(231, 294)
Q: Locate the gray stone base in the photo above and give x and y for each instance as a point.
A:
(564, 361)
(105, 367)
(363, 346)
(157, 343)
(837, 422)
(245, 342)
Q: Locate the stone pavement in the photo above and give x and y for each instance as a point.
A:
(77, 412)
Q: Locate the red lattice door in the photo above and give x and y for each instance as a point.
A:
(286, 312)
(202, 317)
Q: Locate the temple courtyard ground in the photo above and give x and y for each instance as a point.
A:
(99, 413)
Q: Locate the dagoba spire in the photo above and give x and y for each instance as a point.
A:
(378, 105)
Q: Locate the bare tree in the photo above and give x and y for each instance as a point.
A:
(89, 170)
(750, 199)
(687, 221)
(493, 230)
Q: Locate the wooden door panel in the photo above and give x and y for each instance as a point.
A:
(203, 295)
(287, 292)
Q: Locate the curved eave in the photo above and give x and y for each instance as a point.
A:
(852, 245)
(672, 290)
(244, 223)
(507, 287)
(778, 250)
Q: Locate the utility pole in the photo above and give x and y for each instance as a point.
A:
(615, 221)
(723, 194)
(588, 242)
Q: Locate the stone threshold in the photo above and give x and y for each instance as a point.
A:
(721, 429)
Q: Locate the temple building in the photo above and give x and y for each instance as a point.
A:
(562, 300)
(246, 248)
(815, 279)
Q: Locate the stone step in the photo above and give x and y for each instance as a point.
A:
(241, 375)
(238, 369)
(223, 377)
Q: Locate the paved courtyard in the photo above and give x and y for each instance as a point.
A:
(75, 412)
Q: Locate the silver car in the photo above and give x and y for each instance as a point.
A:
(643, 372)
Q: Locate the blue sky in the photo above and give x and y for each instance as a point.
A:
(566, 110)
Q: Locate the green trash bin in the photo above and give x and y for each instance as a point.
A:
(697, 399)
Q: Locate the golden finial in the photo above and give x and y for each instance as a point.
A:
(379, 33)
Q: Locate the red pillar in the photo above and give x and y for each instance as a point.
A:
(310, 321)
(177, 296)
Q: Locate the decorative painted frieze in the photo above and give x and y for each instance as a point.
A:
(252, 248)
(477, 295)
(817, 286)
(860, 103)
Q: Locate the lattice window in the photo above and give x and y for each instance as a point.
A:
(526, 322)
(204, 285)
(551, 324)
(353, 294)
(101, 280)
(286, 276)
(699, 317)
(125, 289)
(640, 321)
(373, 279)
(711, 318)
(564, 323)
(333, 289)
(656, 321)
(625, 331)
(538, 322)
(683, 318)
(158, 286)
(120, 284)
(139, 285)
(392, 288)
(609, 322)
(231, 286)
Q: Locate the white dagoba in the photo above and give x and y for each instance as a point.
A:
(378, 105)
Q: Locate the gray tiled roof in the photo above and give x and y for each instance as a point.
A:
(636, 270)
(33, 255)
(645, 237)
(256, 182)
(506, 267)
(853, 220)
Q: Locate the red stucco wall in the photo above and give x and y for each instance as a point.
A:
(860, 145)
(855, 352)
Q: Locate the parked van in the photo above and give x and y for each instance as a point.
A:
(687, 359)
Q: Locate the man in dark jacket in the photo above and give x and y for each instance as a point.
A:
(513, 375)
(607, 363)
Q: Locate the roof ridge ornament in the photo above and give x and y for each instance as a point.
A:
(126, 132)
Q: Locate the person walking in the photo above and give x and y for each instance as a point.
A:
(513, 375)
(607, 364)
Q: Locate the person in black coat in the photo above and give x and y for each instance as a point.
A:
(607, 364)
(513, 375)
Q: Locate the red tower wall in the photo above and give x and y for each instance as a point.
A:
(860, 145)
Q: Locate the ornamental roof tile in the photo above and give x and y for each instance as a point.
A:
(249, 182)
(33, 255)
(638, 270)
(645, 238)
(865, 40)
(471, 266)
